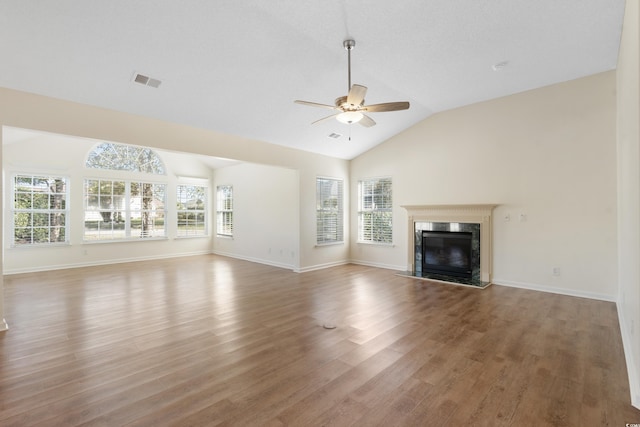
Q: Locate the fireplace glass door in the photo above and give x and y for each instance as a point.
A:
(447, 253)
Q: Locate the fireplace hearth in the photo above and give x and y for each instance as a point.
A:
(450, 243)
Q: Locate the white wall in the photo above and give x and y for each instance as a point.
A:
(628, 73)
(46, 153)
(29, 111)
(265, 214)
(549, 153)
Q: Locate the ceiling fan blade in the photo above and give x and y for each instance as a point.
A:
(367, 121)
(324, 119)
(315, 104)
(356, 94)
(387, 106)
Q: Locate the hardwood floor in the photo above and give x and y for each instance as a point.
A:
(208, 340)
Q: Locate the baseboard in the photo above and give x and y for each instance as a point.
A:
(256, 260)
(320, 266)
(379, 265)
(632, 369)
(3, 325)
(98, 263)
(554, 290)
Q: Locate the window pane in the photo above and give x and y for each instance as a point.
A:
(22, 235)
(40, 201)
(23, 183)
(22, 219)
(106, 202)
(40, 235)
(58, 201)
(40, 219)
(91, 186)
(23, 201)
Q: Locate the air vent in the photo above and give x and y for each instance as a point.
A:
(146, 80)
(334, 135)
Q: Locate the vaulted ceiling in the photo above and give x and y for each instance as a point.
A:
(236, 66)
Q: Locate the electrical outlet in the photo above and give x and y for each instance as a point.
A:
(507, 218)
(557, 271)
(523, 217)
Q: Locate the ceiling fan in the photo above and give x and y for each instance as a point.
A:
(351, 108)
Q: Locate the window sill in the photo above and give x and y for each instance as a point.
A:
(129, 240)
(318, 245)
(390, 245)
(40, 245)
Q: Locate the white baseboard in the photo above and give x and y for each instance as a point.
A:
(554, 290)
(320, 266)
(256, 260)
(378, 265)
(97, 263)
(3, 325)
(632, 369)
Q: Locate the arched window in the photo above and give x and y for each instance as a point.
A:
(124, 208)
(110, 156)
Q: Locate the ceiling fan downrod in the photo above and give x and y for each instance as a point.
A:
(349, 45)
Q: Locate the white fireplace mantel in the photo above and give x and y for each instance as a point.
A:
(470, 214)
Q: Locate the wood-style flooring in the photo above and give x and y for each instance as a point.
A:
(209, 340)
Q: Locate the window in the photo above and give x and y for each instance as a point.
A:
(224, 210)
(123, 209)
(329, 210)
(375, 216)
(110, 156)
(39, 210)
(191, 208)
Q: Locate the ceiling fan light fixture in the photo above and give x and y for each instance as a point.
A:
(349, 117)
(350, 108)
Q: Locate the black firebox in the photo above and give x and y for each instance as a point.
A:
(447, 253)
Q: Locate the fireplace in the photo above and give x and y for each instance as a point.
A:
(445, 243)
(447, 252)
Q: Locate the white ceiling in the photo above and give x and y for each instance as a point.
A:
(236, 66)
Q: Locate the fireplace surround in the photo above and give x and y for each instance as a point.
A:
(473, 219)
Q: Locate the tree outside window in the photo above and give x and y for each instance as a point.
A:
(39, 210)
(117, 209)
(124, 209)
(191, 210)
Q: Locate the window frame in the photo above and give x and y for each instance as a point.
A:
(329, 218)
(204, 212)
(127, 213)
(377, 212)
(32, 212)
(224, 211)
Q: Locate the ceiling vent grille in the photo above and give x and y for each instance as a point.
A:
(146, 80)
(334, 135)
